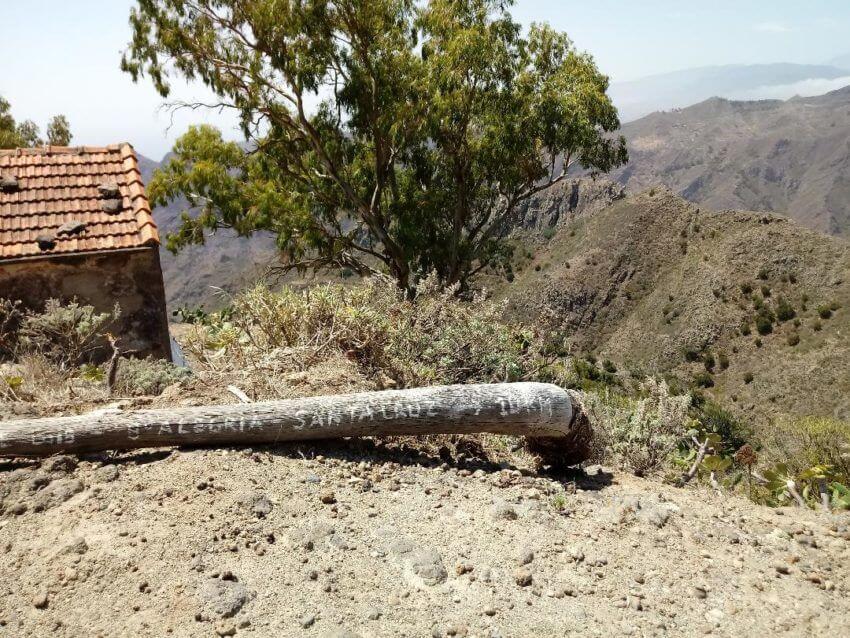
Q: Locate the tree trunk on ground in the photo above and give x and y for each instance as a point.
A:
(542, 411)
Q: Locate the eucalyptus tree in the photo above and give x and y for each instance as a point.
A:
(381, 135)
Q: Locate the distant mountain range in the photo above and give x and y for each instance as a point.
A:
(791, 157)
(756, 81)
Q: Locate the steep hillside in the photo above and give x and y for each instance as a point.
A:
(790, 157)
(656, 284)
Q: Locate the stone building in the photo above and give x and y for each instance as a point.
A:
(76, 223)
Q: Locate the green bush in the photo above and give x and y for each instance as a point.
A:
(764, 322)
(763, 273)
(746, 288)
(639, 435)
(714, 418)
(817, 326)
(436, 338)
(805, 442)
(708, 361)
(748, 377)
(745, 328)
(723, 360)
(66, 334)
(765, 291)
(824, 312)
(793, 339)
(549, 232)
(149, 376)
(703, 380)
(784, 310)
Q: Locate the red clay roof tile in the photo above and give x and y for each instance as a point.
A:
(57, 184)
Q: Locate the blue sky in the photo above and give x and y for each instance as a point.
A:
(61, 56)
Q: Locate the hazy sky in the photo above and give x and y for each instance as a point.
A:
(62, 56)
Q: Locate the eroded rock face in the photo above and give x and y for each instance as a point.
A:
(567, 201)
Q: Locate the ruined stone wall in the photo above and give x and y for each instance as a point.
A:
(131, 278)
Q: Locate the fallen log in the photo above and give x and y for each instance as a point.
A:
(544, 412)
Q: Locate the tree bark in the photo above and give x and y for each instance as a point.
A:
(539, 410)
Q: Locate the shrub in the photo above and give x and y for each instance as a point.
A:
(746, 288)
(765, 291)
(824, 312)
(748, 377)
(834, 305)
(548, 232)
(691, 355)
(10, 321)
(68, 335)
(745, 328)
(147, 376)
(784, 310)
(763, 273)
(817, 326)
(764, 322)
(793, 339)
(723, 360)
(805, 442)
(639, 435)
(434, 338)
(715, 419)
(758, 342)
(708, 361)
(703, 380)
(609, 366)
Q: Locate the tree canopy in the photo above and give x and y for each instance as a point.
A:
(391, 135)
(26, 134)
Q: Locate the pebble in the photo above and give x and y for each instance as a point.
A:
(40, 600)
(523, 576)
(328, 498)
(525, 557)
(307, 620)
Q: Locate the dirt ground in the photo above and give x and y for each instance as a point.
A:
(371, 539)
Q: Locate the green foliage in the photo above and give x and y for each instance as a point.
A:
(746, 288)
(717, 420)
(748, 377)
(445, 115)
(434, 338)
(793, 338)
(703, 380)
(824, 312)
(784, 310)
(763, 274)
(765, 291)
(807, 442)
(723, 360)
(66, 334)
(817, 326)
(764, 321)
(709, 362)
(549, 232)
(640, 435)
(26, 134)
(149, 376)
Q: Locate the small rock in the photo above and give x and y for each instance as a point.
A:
(782, 568)
(307, 620)
(224, 597)
(523, 576)
(700, 592)
(40, 600)
(225, 629)
(328, 498)
(525, 557)
(76, 546)
(503, 511)
(373, 614)
(489, 610)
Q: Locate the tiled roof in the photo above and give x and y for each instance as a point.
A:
(42, 189)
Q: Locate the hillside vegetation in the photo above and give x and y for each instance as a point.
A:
(750, 308)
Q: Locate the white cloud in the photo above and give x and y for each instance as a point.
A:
(772, 27)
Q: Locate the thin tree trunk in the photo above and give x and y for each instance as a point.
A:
(536, 410)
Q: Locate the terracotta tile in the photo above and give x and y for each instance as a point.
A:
(58, 184)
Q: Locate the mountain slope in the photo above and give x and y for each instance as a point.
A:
(790, 157)
(652, 281)
(679, 89)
